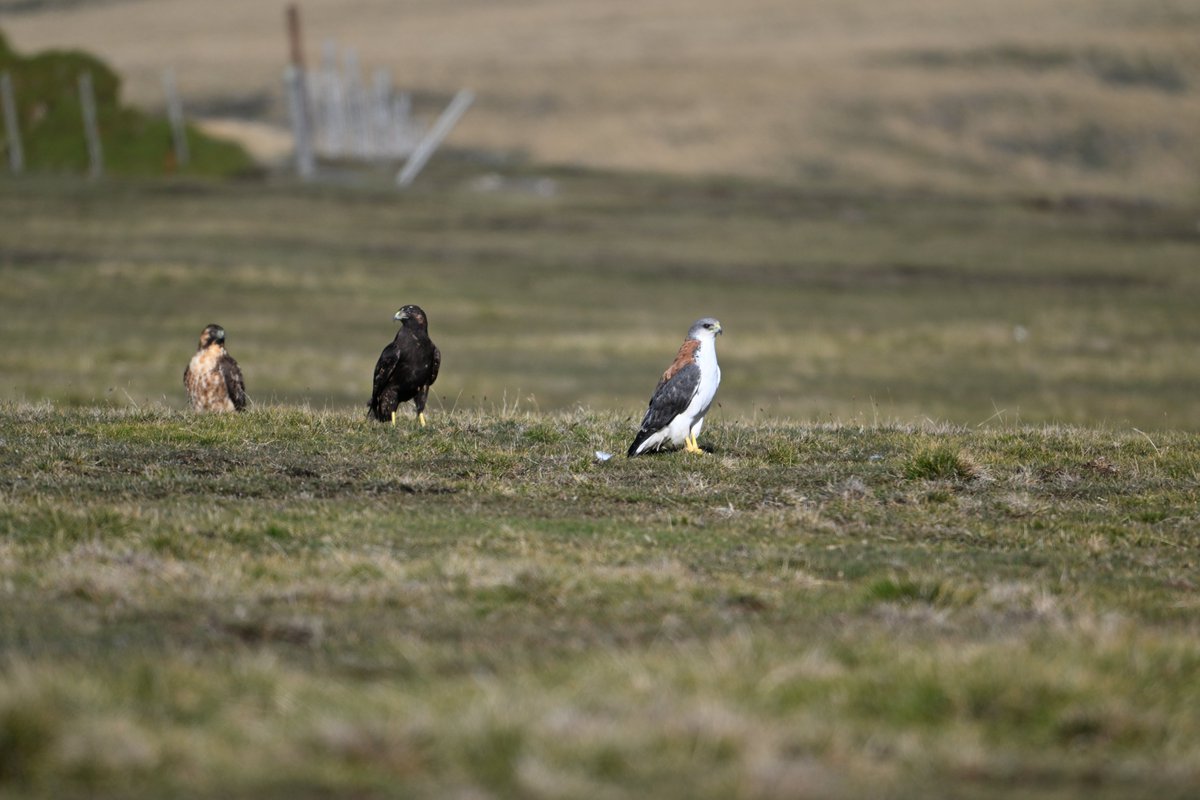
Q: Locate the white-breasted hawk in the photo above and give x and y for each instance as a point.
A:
(213, 379)
(684, 393)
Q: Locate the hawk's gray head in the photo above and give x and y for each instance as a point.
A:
(704, 329)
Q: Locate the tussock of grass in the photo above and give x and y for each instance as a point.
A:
(480, 606)
(942, 462)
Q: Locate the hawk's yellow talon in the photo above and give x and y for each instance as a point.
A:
(407, 367)
(421, 418)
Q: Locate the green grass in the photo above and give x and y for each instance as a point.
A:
(900, 572)
(837, 306)
(482, 606)
(50, 119)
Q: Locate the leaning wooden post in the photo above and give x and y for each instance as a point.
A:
(91, 129)
(12, 127)
(175, 117)
(441, 129)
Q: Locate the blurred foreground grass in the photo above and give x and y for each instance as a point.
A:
(290, 603)
(556, 289)
(863, 600)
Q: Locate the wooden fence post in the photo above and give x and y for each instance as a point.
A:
(91, 129)
(296, 81)
(175, 117)
(301, 132)
(296, 55)
(12, 125)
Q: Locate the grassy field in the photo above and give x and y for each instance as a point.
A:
(1029, 95)
(555, 290)
(294, 603)
(944, 544)
(883, 581)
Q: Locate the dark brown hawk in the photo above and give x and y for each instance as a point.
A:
(406, 368)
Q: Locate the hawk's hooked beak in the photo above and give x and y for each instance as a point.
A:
(400, 315)
(719, 330)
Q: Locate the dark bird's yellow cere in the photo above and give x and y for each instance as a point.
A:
(406, 368)
(213, 378)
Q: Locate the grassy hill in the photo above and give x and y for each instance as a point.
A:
(134, 143)
(298, 603)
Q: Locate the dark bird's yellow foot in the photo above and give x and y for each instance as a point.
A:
(406, 368)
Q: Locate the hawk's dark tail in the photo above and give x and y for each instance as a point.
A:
(376, 413)
(642, 436)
